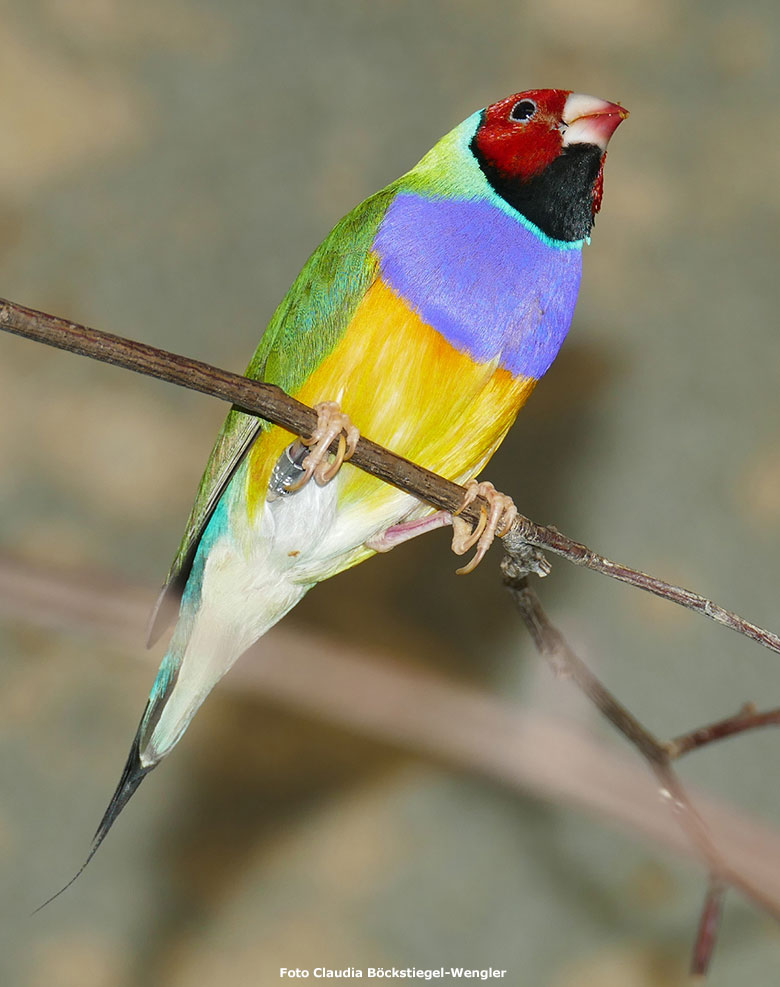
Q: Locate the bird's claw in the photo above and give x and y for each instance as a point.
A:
(497, 520)
(332, 424)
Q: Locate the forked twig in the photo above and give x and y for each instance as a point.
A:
(553, 647)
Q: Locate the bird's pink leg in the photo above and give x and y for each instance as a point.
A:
(497, 521)
(399, 533)
(332, 424)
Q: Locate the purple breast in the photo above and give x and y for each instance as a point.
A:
(487, 283)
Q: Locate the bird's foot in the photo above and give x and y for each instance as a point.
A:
(497, 520)
(332, 424)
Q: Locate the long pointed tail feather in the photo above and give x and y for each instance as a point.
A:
(204, 645)
(132, 776)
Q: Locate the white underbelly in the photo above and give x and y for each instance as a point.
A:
(307, 536)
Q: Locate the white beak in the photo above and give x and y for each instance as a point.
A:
(588, 120)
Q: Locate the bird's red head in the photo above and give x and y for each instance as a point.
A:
(543, 151)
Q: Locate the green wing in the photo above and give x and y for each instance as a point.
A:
(306, 326)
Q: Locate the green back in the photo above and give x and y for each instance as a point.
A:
(310, 321)
(305, 328)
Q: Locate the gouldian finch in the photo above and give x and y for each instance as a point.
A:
(424, 319)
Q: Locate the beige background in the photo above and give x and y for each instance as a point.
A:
(166, 168)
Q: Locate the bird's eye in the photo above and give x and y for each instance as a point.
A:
(523, 110)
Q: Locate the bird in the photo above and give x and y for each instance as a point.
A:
(424, 320)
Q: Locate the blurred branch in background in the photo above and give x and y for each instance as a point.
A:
(417, 711)
(420, 711)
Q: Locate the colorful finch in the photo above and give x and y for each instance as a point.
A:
(424, 319)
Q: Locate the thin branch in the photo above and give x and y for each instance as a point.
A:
(748, 718)
(553, 647)
(707, 933)
(271, 403)
(551, 644)
(525, 532)
(254, 397)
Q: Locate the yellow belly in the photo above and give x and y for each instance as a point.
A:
(408, 389)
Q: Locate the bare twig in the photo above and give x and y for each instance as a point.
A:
(748, 718)
(255, 397)
(551, 540)
(271, 403)
(707, 933)
(551, 644)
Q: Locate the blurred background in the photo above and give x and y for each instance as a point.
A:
(166, 168)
